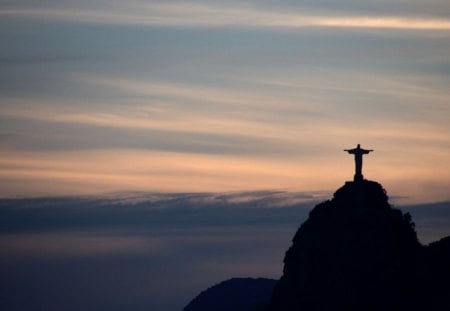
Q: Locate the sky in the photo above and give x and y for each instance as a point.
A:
(151, 149)
(212, 96)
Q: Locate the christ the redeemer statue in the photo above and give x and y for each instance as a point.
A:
(358, 152)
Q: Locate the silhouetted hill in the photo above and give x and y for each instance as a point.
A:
(356, 252)
(239, 294)
(437, 274)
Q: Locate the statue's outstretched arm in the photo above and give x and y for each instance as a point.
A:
(365, 151)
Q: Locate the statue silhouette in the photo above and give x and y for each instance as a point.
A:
(358, 152)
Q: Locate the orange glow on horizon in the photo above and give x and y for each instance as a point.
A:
(73, 173)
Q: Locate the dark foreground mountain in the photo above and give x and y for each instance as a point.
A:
(436, 285)
(356, 252)
(239, 294)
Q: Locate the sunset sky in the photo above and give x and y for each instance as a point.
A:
(218, 96)
(150, 149)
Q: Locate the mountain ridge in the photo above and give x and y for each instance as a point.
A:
(356, 251)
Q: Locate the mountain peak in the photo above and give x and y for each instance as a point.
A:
(352, 250)
(361, 194)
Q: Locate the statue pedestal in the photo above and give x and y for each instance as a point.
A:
(358, 177)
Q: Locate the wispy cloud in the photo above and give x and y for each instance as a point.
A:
(193, 14)
(143, 118)
(230, 112)
(91, 172)
(115, 170)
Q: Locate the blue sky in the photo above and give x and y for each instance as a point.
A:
(101, 96)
